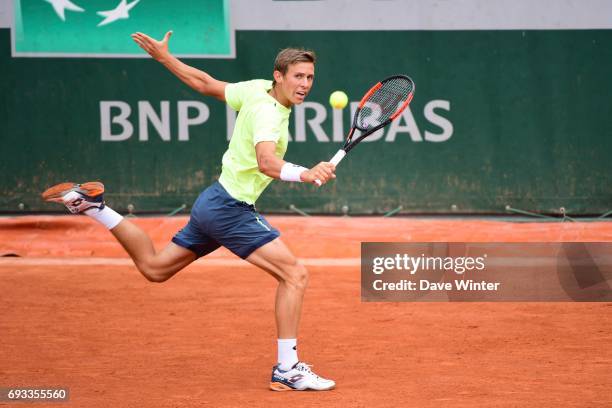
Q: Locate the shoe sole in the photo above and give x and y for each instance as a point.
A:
(277, 386)
(55, 193)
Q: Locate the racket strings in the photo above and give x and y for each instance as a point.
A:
(384, 102)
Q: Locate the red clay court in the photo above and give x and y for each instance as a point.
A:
(77, 314)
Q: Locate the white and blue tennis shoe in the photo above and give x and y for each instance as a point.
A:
(78, 198)
(299, 378)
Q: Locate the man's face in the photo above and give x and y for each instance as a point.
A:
(296, 82)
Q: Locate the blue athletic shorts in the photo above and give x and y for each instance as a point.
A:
(217, 219)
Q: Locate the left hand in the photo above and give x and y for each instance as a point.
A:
(156, 49)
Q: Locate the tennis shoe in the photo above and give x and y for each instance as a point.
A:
(299, 378)
(78, 198)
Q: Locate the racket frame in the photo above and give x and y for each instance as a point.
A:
(349, 142)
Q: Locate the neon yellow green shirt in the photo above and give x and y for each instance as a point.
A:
(261, 118)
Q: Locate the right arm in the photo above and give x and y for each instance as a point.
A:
(195, 78)
(271, 165)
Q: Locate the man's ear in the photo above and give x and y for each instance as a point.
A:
(278, 76)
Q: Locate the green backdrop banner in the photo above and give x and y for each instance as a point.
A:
(519, 118)
(100, 28)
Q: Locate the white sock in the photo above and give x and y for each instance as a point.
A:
(106, 216)
(287, 353)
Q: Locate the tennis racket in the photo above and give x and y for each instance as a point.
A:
(383, 103)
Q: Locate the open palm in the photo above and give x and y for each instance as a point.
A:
(156, 49)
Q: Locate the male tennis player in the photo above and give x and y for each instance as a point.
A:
(224, 213)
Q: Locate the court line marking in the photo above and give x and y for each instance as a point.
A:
(603, 261)
(15, 261)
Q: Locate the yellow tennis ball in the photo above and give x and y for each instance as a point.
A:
(338, 100)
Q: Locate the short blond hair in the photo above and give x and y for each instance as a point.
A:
(290, 56)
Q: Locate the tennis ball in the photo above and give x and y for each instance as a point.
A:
(338, 100)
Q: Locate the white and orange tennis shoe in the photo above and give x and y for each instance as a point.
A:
(78, 198)
(299, 378)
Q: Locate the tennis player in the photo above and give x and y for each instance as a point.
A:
(224, 214)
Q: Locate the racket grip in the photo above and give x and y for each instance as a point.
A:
(338, 157)
(334, 160)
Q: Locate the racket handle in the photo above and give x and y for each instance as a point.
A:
(334, 160)
(338, 157)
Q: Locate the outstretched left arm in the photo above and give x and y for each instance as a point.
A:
(195, 78)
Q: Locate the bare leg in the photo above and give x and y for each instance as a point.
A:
(156, 267)
(276, 259)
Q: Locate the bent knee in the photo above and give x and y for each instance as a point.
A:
(157, 278)
(153, 274)
(297, 276)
